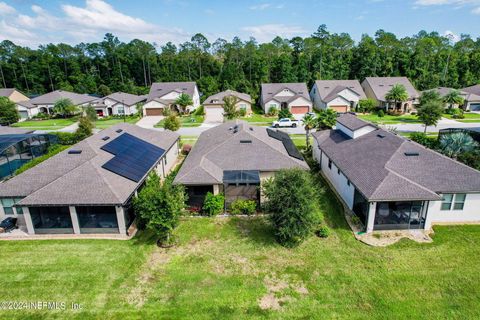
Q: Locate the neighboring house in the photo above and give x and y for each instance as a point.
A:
(45, 102)
(471, 100)
(291, 96)
(377, 87)
(234, 158)
(118, 103)
(13, 94)
(19, 146)
(474, 104)
(214, 104)
(164, 94)
(88, 188)
(338, 95)
(392, 183)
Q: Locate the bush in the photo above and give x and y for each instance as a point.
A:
(323, 231)
(200, 111)
(41, 116)
(186, 148)
(366, 105)
(272, 111)
(240, 206)
(424, 140)
(171, 123)
(380, 113)
(284, 113)
(8, 112)
(457, 113)
(85, 128)
(242, 112)
(66, 138)
(213, 204)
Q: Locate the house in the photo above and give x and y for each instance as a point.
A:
(118, 103)
(471, 100)
(338, 95)
(13, 94)
(377, 87)
(474, 103)
(88, 188)
(214, 104)
(291, 96)
(164, 94)
(46, 102)
(392, 183)
(19, 146)
(234, 158)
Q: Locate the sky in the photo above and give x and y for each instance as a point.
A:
(31, 23)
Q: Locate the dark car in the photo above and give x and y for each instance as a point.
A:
(8, 224)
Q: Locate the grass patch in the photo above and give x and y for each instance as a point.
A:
(191, 140)
(185, 121)
(48, 124)
(53, 150)
(468, 117)
(259, 119)
(389, 119)
(106, 123)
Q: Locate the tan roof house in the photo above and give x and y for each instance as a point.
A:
(164, 94)
(118, 103)
(474, 92)
(376, 88)
(13, 94)
(339, 95)
(471, 100)
(214, 104)
(291, 96)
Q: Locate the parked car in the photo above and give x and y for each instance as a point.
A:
(285, 122)
(8, 224)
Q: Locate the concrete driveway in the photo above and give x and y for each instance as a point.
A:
(149, 121)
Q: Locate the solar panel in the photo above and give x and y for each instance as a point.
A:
(133, 156)
(287, 143)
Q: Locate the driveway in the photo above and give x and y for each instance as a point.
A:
(149, 121)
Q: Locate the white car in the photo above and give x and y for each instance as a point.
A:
(285, 122)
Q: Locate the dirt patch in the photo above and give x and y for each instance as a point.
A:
(280, 291)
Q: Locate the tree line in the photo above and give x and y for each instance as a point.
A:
(428, 59)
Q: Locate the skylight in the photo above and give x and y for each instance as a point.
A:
(412, 154)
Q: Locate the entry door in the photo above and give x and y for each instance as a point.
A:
(418, 215)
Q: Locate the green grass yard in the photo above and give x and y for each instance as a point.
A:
(232, 268)
(186, 121)
(106, 123)
(469, 117)
(259, 119)
(389, 119)
(49, 124)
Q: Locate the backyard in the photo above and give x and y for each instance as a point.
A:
(232, 268)
(48, 124)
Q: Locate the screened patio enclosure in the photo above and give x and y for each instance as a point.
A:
(400, 215)
(241, 184)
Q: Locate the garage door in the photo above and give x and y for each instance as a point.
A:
(154, 111)
(339, 108)
(475, 107)
(23, 114)
(213, 114)
(299, 109)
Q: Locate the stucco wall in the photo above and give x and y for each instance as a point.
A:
(470, 212)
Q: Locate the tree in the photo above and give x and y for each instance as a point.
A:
(309, 122)
(8, 112)
(183, 101)
(90, 113)
(291, 203)
(230, 107)
(453, 98)
(430, 113)
(454, 144)
(171, 123)
(284, 113)
(104, 90)
(326, 119)
(160, 205)
(64, 107)
(398, 93)
(428, 96)
(367, 105)
(84, 129)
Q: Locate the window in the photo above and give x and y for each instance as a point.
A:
(329, 164)
(272, 105)
(243, 106)
(459, 201)
(8, 206)
(121, 110)
(447, 201)
(19, 209)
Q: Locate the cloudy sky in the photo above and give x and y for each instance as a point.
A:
(31, 23)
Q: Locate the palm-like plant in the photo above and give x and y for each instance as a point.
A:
(398, 93)
(453, 98)
(455, 144)
(326, 119)
(309, 122)
(184, 100)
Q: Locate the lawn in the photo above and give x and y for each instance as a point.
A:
(259, 119)
(231, 268)
(49, 124)
(106, 123)
(389, 119)
(469, 117)
(185, 121)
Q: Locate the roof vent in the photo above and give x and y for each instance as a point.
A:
(412, 154)
(381, 135)
(245, 141)
(230, 129)
(118, 131)
(235, 127)
(184, 89)
(380, 85)
(105, 138)
(73, 151)
(251, 129)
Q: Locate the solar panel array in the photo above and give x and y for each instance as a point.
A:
(287, 143)
(133, 156)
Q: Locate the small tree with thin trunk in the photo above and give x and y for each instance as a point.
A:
(230, 107)
(430, 113)
(64, 107)
(453, 98)
(398, 93)
(309, 123)
(326, 119)
(184, 100)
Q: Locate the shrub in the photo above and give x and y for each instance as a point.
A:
(41, 116)
(272, 111)
(167, 112)
(8, 112)
(242, 112)
(200, 111)
(284, 113)
(171, 123)
(85, 128)
(186, 148)
(66, 138)
(241, 206)
(380, 113)
(424, 140)
(213, 204)
(456, 113)
(366, 105)
(323, 231)
(356, 220)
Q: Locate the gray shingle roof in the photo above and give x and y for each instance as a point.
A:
(380, 169)
(219, 149)
(443, 91)
(473, 89)
(54, 96)
(382, 85)
(159, 89)
(27, 104)
(269, 90)
(13, 130)
(69, 179)
(125, 98)
(329, 89)
(351, 122)
(6, 92)
(219, 96)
